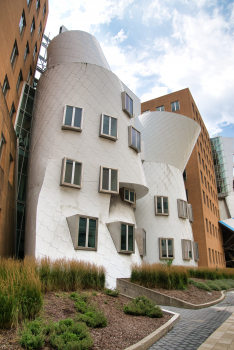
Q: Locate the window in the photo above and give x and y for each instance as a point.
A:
(35, 51)
(29, 3)
(2, 142)
(87, 233)
(199, 157)
(128, 195)
(161, 205)
(207, 201)
(37, 5)
(182, 209)
(10, 173)
(175, 106)
(190, 212)
(12, 111)
(213, 255)
(32, 26)
(160, 108)
(44, 10)
(205, 180)
(14, 54)
(185, 175)
(193, 107)
(26, 51)
(127, 237)
(207, 227)
(109, 127)
(71, 174)
(127, 104)
(210, 227)
(22, 23)
(213, 230)
(39, 29)
(73, 118)
(204, 197)
(187, 249)
(20, 78)
(210, 255)
(29, 75)
(5, 86)
(134, 139)
(166, 248)
(216, 232)
(195, 251)
(201, 176)
(187, 195)
(109, 180)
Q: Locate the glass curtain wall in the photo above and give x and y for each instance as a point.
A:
(220, 167)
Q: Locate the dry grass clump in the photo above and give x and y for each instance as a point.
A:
(211, 273)
(160, 275)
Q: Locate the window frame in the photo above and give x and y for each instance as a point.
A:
(155, 206)
(108, 136)
(76, 247)
(2, 143)
(26, 52)
(160, 248)
(181, 210)
(130, 144)
(123, 95)
(32, 28)
(72, 127)
(195, 251)
(127, 251)
(190, 213)
(101, 190)
(160, 109)
(63, 169)
(19, 80)
(130, 190)
(5, 86)
(174, 105)
(183, 249)
(23, 25)
(14, 54)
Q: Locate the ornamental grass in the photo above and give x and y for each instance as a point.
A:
(211, 273)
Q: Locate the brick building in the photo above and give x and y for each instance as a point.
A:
(199, 179)
(22, 24)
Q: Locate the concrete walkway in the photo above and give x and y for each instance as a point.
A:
(200, 329)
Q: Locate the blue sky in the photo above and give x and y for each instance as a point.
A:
(160, 46)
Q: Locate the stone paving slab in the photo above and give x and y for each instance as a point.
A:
(198, 325)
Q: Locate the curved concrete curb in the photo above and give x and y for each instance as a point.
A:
(133, 290)
(146, 342)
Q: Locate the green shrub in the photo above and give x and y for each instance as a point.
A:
(93, 318)
(33, 335)
(142, 306)
(112, 293)
(200, 285)
(213, 285)
(70, 335)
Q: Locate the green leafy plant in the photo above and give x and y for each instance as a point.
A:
(142, 306)
(94, 294)
(200, 285)
(32, 335)
(111, 292)
(93, 318)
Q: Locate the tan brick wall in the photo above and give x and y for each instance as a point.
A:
(207, 241)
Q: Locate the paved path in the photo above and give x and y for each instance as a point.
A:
(196, 326)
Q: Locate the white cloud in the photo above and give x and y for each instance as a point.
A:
(119, 38)
(155, 11)
(157, 91)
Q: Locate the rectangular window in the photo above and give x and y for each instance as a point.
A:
(22, 23)
(195, 251)
(199, 157)
(20, 78)
(187, 249)
(134, 139)
(35, 51)
(37, 5)
(71, 174)
(207, 201)
(109, 127)
(127, 104)
(129, 195)
(29, 75)
(5, 86)
(44, 10)
(213, 230)
(127, 237)
(213, 255)
(14, 54)
(201, 176)
(207, 227)
(210, 255)
(182, 209)
(210, 228)
(87, 233)
(216, 232)
(166, 248)
(12, 111)
(190, 212)
(39, 29)
(32, 26)
(26, 52)
(160, 108)
(161, 205)
(2, 142)
(73, 118)
(187, 195)
(29, 3)
(109, 180)
(175, 106)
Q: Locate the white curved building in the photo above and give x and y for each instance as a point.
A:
(169, 139)
(86, 176)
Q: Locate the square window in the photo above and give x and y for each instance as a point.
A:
(160, 108)
(109, 180)
(175, 106)
(166, 248)
(14, 54)
(71, 174)
(22, 23)
(5, 86)
(134, 139)
(128, 195)
(127, 104)
(161, 205)
(87, 233)
(109, 127)
(182, 209)
(187, 249)
(73, 118)
(127, 237)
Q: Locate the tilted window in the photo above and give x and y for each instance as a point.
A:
(185, 175)
(127, 237)
(109, 127)
(29, 3)
(35, 51)
(128, 195)
(175, 106)
(182, 209)
(12, 111)
(22, 23)
(187, 249)
(26, 51)
(190, 212)
(14, 54)
(134, 139)
(5, 86)
(71, 174)
(39, 29)
(195, 251)
(127, 104)
(160, 108)
(87, 233)
(109, 180)
(38, 5)
(32, 26)
(29, 75)
(73, 118)
(44, 10)
(166, 248)
(20, 78)
(2, 142)
(161, 205)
